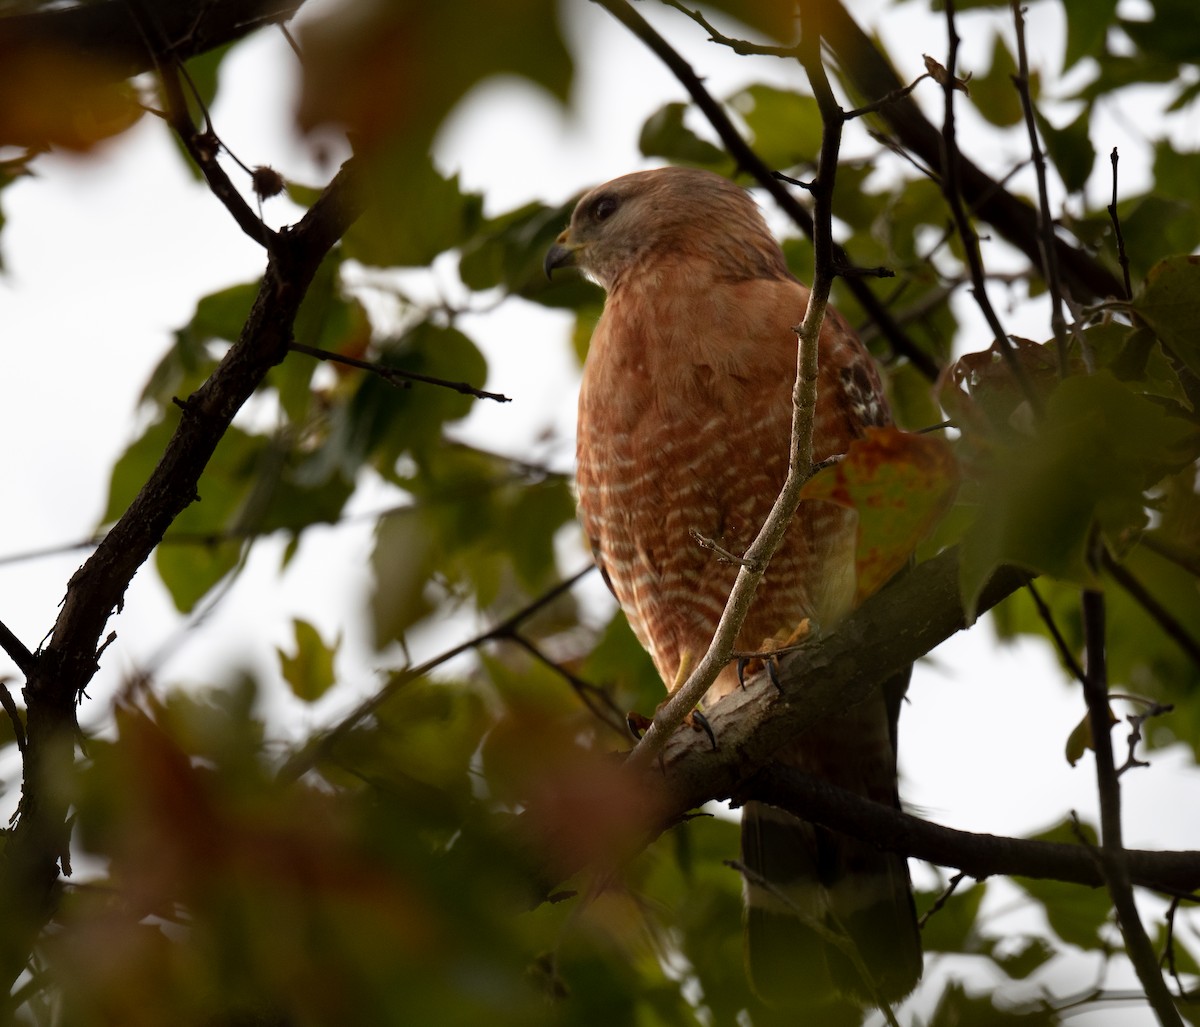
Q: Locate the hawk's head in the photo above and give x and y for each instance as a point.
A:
(652, 219)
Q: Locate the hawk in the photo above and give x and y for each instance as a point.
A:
(685, 417)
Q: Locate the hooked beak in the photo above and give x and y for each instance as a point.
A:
(561, 254)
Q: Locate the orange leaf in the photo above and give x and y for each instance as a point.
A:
(900, 485)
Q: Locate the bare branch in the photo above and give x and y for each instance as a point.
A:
(1122, 256)
(37, 846)
(951, 189)
(1045, 221)
(17, 650)
(395, 375)
(1113, 857)
(10, 707)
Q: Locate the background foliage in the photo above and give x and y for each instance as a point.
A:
(373, 874)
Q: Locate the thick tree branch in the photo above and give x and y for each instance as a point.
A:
(889, 631)
(37, 844)
(976, 855)
(107, 29)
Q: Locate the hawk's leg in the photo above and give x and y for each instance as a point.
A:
(767, 657)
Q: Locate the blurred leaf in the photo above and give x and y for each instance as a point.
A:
(1088, 22)
(62, 97)
(402, 563)
(416, 213)
(994, 94)
(1076, 914)
(665, 135)
(390, 72)
(1170, 304)
(958, 1008)
(1071, 149)
(1088, 461)
(619, 662)
(953, 927)
(509, 251)
(1171, 35)
(1020, 957)
(900, 485)
(786, 126)
(309, 670)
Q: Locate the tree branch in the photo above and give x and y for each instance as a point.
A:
(1049, 262)
(976, 855)
(107, 28)
(1114, 860)
(395, 375)
(38, 842)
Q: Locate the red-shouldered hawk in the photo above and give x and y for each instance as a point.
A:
(684, 425)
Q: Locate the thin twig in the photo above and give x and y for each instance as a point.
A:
(1064, 650)
(202, 147)
(308, 757)
(394, 375)
(942, 899)
(17, 650)
(1113, 856)
(1174, 628)
(595, 698)
(951, 189)
(1122, 256)
(1045, 222)
(10, 707)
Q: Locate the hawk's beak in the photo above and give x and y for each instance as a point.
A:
(561, 254)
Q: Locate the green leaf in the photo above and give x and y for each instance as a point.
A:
(786, 125)
(1089, 460)
(309, 670)
(1020, 957)
(665, 135)
(390, 72)
(994, 94)
(415, 212)
(1088, 22)
(1170, 304)
(1076, 913)
(509, 250)
(1172, 35)
(1071, 149)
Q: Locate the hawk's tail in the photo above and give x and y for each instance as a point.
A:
(812, 893)
(806, 885)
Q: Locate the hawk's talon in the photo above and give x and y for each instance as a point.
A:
(637, 723)
(701, 721)
(742, 663)
(772, 663)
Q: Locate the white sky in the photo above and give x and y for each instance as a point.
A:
(105, 257)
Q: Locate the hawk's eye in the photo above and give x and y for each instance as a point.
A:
(604, 207)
